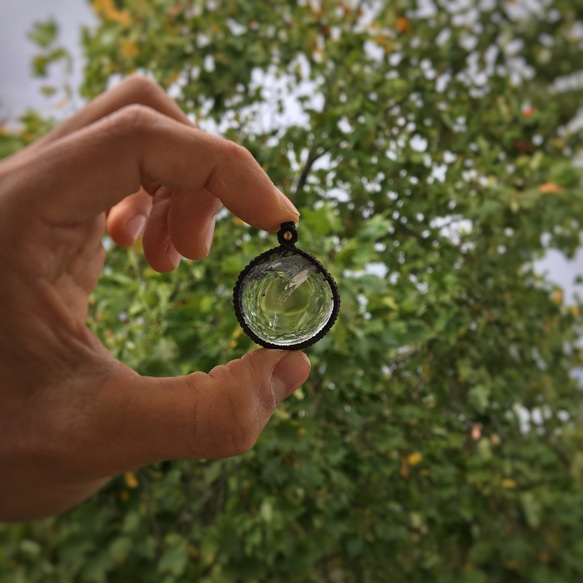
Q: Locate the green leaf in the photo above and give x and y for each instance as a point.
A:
(175, 557)
(44, 34)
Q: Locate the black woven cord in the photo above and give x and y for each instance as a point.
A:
(285, 246)
(285, 229)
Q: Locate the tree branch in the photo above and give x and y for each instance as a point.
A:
(312, 157)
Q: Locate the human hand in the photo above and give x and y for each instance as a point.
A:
(72, 416)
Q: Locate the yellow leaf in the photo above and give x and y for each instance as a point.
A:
(128, 48)
(61, 103)
(426, 373)
(414, 458)
(302, 431)
(107, 10)
(508, 484)
(402, 24)
(557, 296)
(551, 188)
(192, 551)
(121, 16)
(101, 5)
(574, 310)
(131, 480)
(174, 77)
(386, 43)
(137, 246)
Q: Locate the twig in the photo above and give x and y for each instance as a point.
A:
(222, 487)
(395, 104)
(150, 514)
(312, 157)
(357, 10)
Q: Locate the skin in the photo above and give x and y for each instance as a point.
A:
(72, 416)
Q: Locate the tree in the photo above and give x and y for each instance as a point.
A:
(432, 157)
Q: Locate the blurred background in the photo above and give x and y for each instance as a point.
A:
(433, 149)
(20, 91)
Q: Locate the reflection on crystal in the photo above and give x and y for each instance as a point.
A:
(286, 299)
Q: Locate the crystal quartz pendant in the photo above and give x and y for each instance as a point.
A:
(285, 298)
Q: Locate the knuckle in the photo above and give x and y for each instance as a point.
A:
(140, 88)
(133, 117)
(239, 153)
(244, 412)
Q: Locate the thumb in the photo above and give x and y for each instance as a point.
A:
(199, 416)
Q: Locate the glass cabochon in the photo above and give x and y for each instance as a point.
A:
(285, 298)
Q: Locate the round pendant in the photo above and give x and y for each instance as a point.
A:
(285, 298)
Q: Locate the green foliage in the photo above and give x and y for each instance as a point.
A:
(429, 173)
(45, 35)
(33, 126)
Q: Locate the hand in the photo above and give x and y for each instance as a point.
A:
(71, 416)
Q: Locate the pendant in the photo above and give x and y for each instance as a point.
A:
(285, 298)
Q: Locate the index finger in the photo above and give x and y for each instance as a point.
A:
(133, 90)
(93, 169)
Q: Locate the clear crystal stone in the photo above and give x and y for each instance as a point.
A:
(286, 299)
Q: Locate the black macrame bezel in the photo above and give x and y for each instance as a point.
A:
(285, 245)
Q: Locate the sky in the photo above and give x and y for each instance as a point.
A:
(19, 91)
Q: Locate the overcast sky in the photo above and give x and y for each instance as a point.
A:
(18, 90)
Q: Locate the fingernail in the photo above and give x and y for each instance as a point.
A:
(208, 235)
(135, 226)
(172, 255)
(289, 205)
(289, 373)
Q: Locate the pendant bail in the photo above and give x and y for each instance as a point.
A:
(288, 234)
(285, 298)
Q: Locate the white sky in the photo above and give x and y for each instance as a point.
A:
(18, 90)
